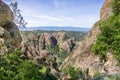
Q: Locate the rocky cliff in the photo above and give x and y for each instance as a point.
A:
(10, 36)
(84, 59)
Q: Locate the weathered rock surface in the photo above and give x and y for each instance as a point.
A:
(9, 32)
(110, 66)
(67, 45)
(106, 10)
(84, 59)
(64, 42)
(5, 13)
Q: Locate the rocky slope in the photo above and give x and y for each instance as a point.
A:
(83, 58)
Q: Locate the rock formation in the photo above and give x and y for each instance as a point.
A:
(64, 42)
(83, 58)
(106, 10)
(5, 13)
(9, 32)
(36, 45)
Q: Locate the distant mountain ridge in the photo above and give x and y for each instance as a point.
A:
(57, 28)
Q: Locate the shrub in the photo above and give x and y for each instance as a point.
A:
(75, 73)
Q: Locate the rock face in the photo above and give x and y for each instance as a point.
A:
(84, 59)
(9, 32)
(36, 45)
(5, 13)
(64, 42)
(106, 10)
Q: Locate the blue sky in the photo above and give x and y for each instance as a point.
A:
(77, 13)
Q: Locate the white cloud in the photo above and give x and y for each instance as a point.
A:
(49, 18)
(35, 19)
(67, 18)
(59, 18)
(42, 20)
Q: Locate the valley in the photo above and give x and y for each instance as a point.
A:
(64, 53)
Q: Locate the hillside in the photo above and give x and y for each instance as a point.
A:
(99, 51)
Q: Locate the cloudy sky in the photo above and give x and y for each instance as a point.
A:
(77, 13)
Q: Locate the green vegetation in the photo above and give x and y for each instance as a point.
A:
(60, 54)
(12, 67)
(96, 74)
(109, 38)
(74, 73)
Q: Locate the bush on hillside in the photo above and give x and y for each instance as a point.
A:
(12, 67)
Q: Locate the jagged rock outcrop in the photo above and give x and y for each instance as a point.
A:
(9, 33)
(64, 42)
(83, 58)
(36, 45)
(67, 45)
(60, 36)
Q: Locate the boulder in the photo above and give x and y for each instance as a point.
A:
(5, 13)
(14, 33)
